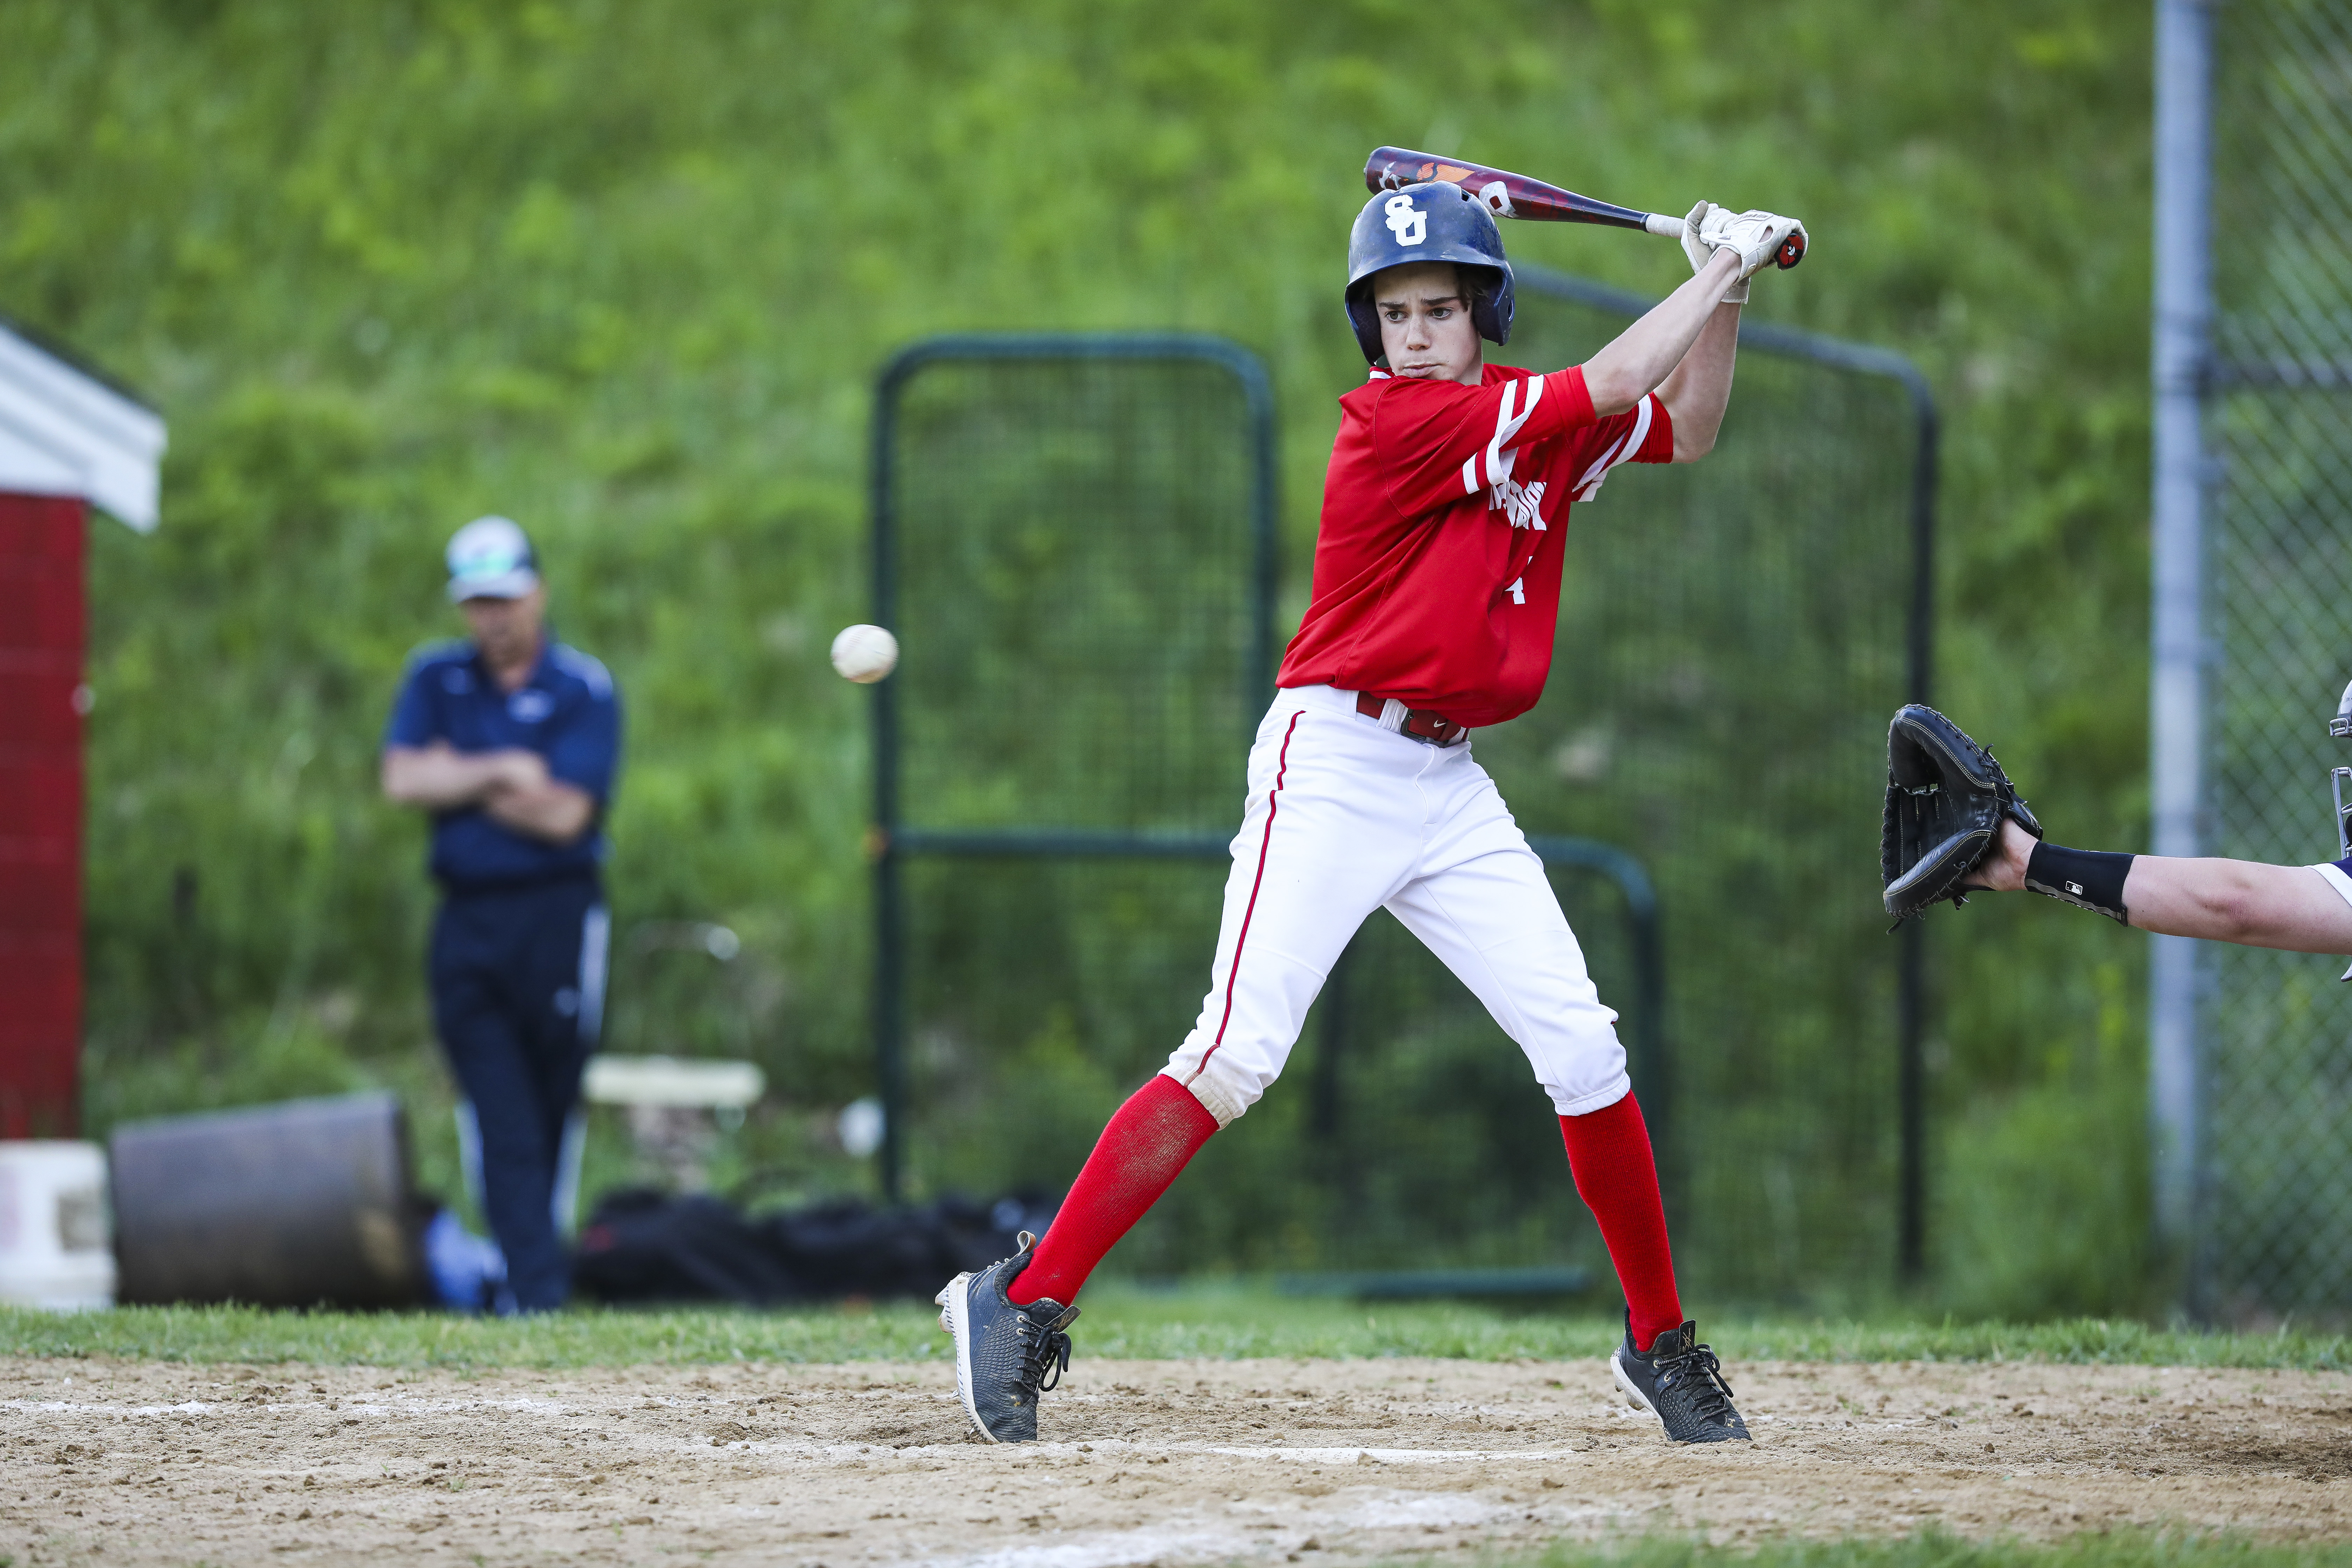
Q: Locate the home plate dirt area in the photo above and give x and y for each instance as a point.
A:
(1166, 1462)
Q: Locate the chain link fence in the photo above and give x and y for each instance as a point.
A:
(1067, 541)
(2273, 1208)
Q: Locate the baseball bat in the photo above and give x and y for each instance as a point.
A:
(1507, 194)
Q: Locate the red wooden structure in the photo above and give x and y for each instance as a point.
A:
(68, 440)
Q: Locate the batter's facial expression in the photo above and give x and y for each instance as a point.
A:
(1425, 331)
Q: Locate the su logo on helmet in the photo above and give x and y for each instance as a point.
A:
(1407, 222)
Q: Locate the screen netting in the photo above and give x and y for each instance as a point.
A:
(1407, 1132)
(1066, 673)
(1074, 538)
(1733, 636)
(2275, 1211)
(1078, 539)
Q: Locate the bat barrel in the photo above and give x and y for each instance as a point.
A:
(1505, 194)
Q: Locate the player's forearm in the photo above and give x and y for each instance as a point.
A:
(555, 812)
(2243, 901)
(438, 778)
(1699, 390)
(1630, 368)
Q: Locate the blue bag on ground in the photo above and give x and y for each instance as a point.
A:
(469, 1271)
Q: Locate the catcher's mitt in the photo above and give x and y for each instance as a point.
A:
(1945, 800)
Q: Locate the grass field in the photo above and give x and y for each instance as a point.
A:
(1125, 1324)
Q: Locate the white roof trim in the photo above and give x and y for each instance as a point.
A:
(65, 432)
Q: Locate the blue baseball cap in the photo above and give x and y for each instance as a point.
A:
(491, 558)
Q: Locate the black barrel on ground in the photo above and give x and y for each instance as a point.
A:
(304, 1203)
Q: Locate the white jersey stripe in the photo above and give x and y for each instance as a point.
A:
(1642, 413)
(1600, 464)
(1507, 423)
(1623, 451)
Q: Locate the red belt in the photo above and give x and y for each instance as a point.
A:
(1420, 723)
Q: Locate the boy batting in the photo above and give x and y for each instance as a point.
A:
(1437, 577)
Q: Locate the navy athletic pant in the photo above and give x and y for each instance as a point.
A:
(517, 977)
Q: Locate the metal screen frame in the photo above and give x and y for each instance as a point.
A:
(893, 842)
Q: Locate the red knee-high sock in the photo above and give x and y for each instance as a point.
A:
(1152, 1136)
(1617, 1177)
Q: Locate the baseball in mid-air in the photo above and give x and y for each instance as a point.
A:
(864, 654)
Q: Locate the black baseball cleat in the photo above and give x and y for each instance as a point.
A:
(1003, 1351)
(1679, 1381)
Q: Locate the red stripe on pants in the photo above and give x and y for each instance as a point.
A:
(1266, 842)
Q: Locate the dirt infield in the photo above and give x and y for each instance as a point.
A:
(1161, 1462)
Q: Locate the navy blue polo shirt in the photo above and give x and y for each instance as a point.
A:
(567, 711)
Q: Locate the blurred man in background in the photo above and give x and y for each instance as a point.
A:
(511, 741)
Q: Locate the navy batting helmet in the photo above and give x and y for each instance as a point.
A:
(1429, 222)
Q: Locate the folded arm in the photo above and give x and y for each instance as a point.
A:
(555, 811)
(512, 785)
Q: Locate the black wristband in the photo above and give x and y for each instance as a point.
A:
(2087, 879)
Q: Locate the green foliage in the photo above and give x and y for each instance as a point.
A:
(2053, 1166)
(626, 274)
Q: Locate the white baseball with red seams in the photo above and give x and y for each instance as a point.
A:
(864, 654)
(1346, 816)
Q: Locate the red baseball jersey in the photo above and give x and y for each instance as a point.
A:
(1437, 566)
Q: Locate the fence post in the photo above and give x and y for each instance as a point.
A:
(1911, 972)
(889, 1021)
(2176, 654)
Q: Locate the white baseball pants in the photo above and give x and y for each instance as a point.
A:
(1343, 817)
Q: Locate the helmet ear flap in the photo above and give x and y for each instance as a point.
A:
(1366, 324)
(1493, 301)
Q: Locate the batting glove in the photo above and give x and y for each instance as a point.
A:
(1756, 237)
(1699, 251)
(1700, 248)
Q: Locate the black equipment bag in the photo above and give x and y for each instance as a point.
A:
(645, 1246)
